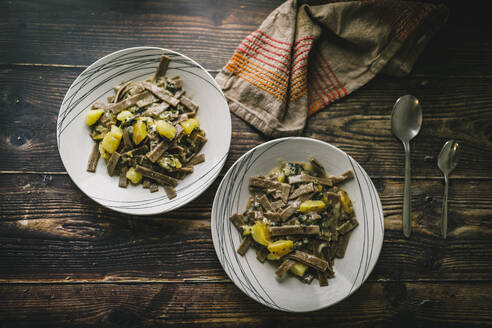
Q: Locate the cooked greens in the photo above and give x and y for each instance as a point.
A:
(148, 132)
(298, 217)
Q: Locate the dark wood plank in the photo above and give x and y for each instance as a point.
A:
(223, 304)
(49, 231)
(207, 31)
(359, 124)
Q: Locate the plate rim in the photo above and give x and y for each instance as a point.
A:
(220, 163)
(214, 223)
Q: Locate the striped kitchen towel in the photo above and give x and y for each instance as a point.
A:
(304, 57)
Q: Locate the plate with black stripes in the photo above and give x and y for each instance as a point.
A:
(96, 83)
(258, 280)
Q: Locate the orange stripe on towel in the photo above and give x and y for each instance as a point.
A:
(299, 95)
(241, 57)
(295, 90)
(261, 70)
(298, 78)
(255, 84)
(314, 107)
(259, 77)
(298, 82)
(261, 60)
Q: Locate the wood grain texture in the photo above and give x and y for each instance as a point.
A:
(453, 108)
(60, 32)
(49, 231)
(207, 31)
(223, 305)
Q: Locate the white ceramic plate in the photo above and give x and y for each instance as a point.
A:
(95, 84)
(258, 280)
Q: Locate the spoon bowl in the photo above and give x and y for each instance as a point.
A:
(448, 157)
(447, 160)
(406, 120)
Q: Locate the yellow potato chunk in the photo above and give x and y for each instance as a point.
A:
(281, 247)
(299, 269)
(278, 173)
(139, 132)
(189, 125)
(273, 257)
(148, 120)
(176, 163)
(110, 143)
(312, 206)
(165, 129)
(346, 202)
(98, 136)
(117, 132)
(124, 115)
(92, 116)
(246, 230)
(169, 163)
(111, 140)
(133, 175)
(307, 166)
(260, 233)
(104, 153)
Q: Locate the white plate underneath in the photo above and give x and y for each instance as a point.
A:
(96, 84)
(257, 280)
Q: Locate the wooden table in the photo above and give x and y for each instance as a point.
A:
(66, 261)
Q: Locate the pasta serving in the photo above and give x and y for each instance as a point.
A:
(298, 217)
(148, 132)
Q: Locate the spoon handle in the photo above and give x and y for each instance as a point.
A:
(407, 224)
(444, 212)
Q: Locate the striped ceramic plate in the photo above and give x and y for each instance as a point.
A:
(96, 84)
(257, 280)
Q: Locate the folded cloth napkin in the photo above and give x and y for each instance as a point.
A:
(302, 58)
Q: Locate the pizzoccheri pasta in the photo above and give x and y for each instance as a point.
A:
(298, 217)
(148, 132)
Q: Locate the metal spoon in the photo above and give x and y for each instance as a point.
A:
(447, 160)
(406, 120)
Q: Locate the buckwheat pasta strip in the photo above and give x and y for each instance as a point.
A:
(93, 158)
